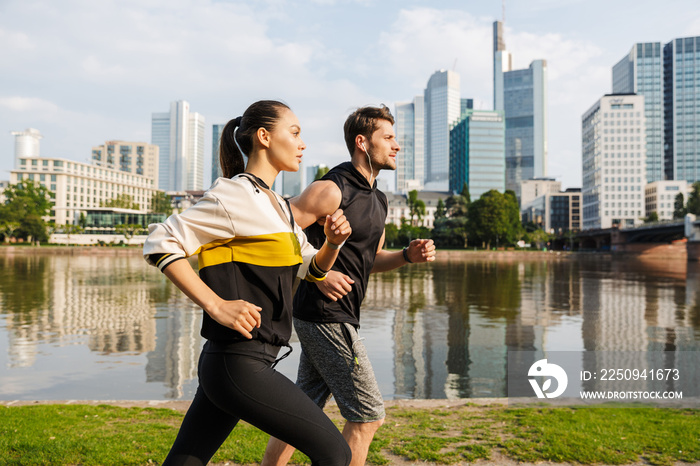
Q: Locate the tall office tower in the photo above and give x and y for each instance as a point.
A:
(682, 109)
(476, 152)
(410, 127)
(180, 136)
(502, 62)
(614, 161)
(641, 72)
(215, 140)
(289, 184)
(26, 143)
(522, 95)
(442, 106)
(312, 171)
(130, 157)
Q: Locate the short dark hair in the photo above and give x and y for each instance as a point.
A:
(364, 121)
(261, 114)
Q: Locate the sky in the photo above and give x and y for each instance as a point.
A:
(83, 72)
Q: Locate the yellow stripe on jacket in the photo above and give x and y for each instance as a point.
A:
(271, 250)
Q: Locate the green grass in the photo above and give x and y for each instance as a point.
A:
(108, 435)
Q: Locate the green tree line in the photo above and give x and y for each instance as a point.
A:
(27, 204)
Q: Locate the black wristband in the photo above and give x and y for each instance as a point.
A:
(405, 256)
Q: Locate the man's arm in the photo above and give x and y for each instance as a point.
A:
(419, 250)
(319, 199)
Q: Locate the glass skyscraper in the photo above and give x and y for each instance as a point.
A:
(476, 152)
(180, 136)
(682, 109)
(522, 96)
(641, 72)
(216, 131)
(442, 108)
(410, 128)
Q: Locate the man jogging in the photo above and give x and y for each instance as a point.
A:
(327, 316)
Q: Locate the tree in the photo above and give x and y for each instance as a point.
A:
(320, 173)
(26, 205)
(488, 219)
(416, 207)
(128, 230)
(652, 217)
(26, 198)
(122, 201)
(465, 194)
(440, 211)
(391, 235)
(160, 203)
(515, 226)
(693, 205)
(679, 209)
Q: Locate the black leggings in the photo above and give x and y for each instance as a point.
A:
(245, 386)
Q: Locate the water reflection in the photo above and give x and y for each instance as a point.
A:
(110, 327)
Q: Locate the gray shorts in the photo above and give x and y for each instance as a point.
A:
(334, 361)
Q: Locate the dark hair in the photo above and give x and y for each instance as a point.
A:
(364, 121)
(261, 114)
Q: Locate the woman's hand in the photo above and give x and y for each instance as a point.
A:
(337, 228)
(238, 315)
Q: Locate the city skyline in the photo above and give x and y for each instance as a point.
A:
(323, 58)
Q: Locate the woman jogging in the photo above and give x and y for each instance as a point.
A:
(250, 252)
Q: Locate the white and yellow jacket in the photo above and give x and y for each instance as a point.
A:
(247, 250)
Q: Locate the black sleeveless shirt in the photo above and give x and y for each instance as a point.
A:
(365, 208)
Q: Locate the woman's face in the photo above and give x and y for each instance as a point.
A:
(286, 145)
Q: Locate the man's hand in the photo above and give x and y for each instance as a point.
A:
(421, 250)
(336, 285)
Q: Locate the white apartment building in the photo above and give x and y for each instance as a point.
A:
(613, 133)
(398, 209)
(533, 188)
(76, 186)
(132, 157)
(660, 197)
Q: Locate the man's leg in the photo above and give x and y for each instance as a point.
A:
(338, 355)
(359, 436)
(279, 453)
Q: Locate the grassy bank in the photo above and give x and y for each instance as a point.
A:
(61, 434)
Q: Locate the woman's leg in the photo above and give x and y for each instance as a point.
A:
(251, 390)
(202, 432)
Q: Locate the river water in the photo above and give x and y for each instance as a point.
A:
(105, 326)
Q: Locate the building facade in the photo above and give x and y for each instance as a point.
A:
(536, 187)
(614, 162)
(660, 197)
(641, 72)
(76, 187)
(27, 143)
(410, 130)
(476, 153)
(522, 95)
(555, 211)
(442, 108)
(179, 134)
(682, 109)
(215, 140)
(139, 158)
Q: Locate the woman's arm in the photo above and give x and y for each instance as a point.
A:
(238, 315)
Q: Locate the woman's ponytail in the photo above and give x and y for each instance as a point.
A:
(230, 156)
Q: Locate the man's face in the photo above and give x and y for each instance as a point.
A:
(383, 147)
